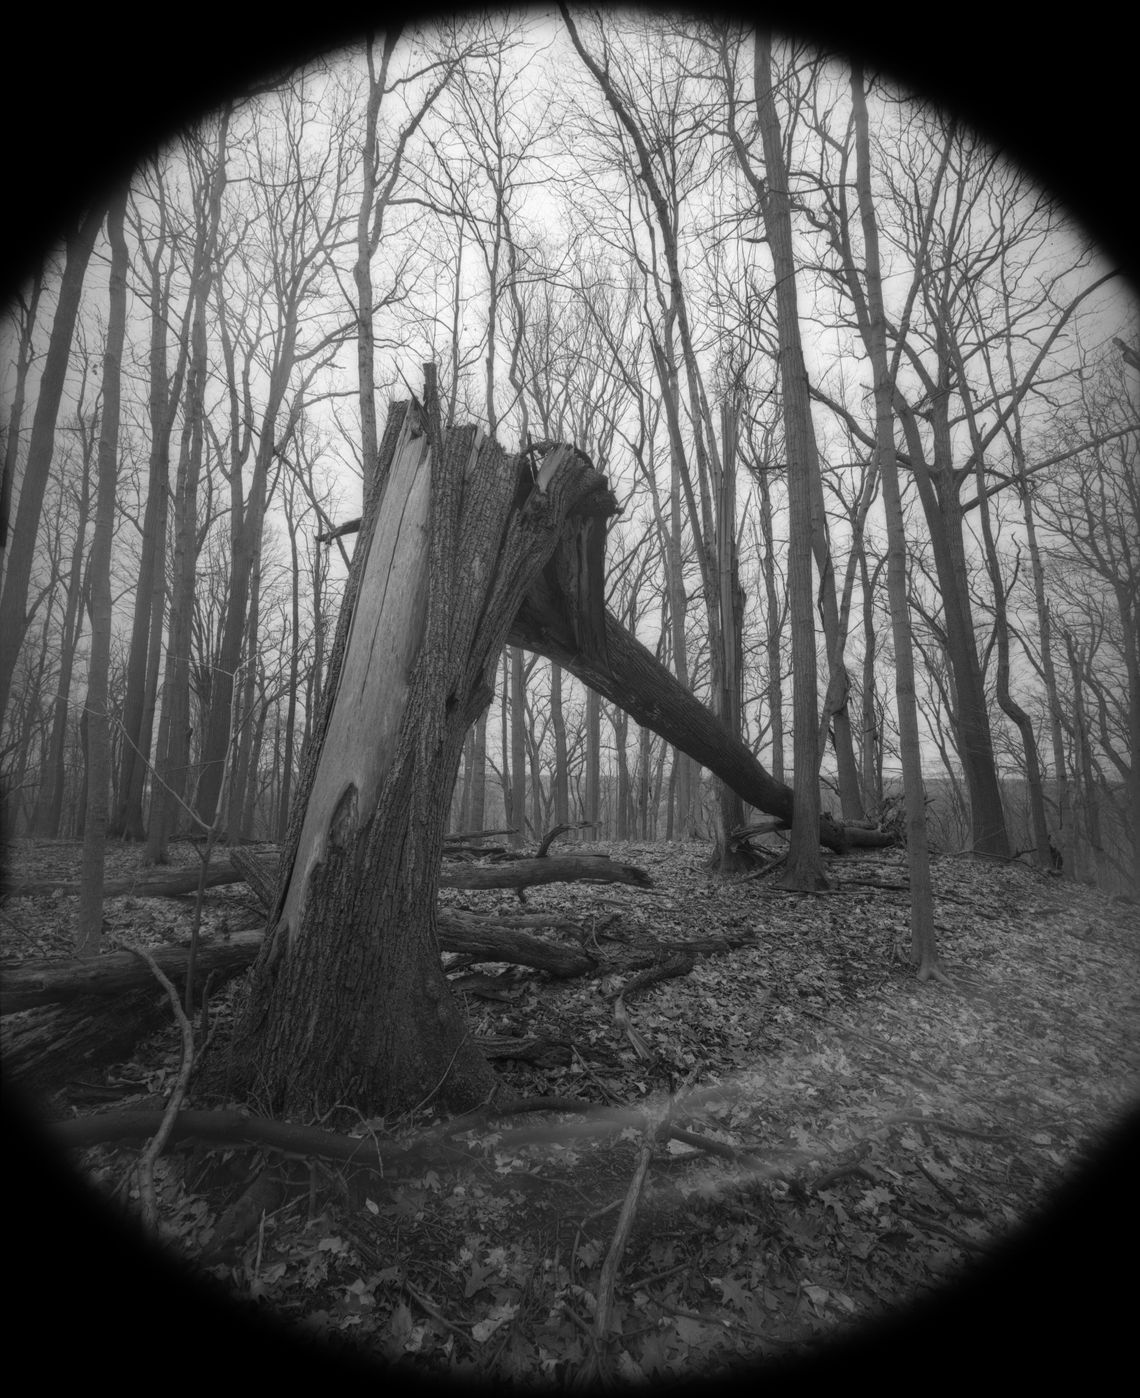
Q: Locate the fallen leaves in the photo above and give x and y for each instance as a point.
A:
(852, 1138)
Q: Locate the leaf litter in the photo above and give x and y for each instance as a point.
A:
(814, 1137)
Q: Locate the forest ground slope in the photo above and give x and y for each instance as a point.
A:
(844, 1138)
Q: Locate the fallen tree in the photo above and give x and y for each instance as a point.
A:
(65, 1020)
(46, 1047)
(623, 671)
(30, 984)
(471, 548)
(260, 872)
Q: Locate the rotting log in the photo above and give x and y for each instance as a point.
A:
(484, 941)
(182, 884)
(89, 983)
(27, 984)
(258, 869)
(522, 873)
(67, 1020)
(46, 1047)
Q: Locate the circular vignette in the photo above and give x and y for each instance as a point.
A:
(88, 97)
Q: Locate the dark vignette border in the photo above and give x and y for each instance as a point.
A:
(83, 97)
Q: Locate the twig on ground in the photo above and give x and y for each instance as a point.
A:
(433, 1310)
(161, 1136)
(608, 1279)
(968, 1209)
(967, 1244)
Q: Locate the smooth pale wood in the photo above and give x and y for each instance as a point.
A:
(371, 697)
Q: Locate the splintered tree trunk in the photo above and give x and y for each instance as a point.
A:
(348, 1002)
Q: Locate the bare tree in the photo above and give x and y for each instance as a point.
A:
(299, 192)
(21, 545)
(90, 915)
(207, 160)
(804, 869)
(923, 951)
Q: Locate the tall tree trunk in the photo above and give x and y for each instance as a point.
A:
(49, 798)
(593, 809)
(561, 782)
(41, 445)
(1009, 706)
(246, 523)
(644, 783)
(773, 629)
(516, 818)
(923, 950)
(477, 814)
(286, 768)
(90, 913)
(142, 664)
(872, 733)
(252, 781)
(620, 722)
(1085, 767)
(16, 412)
(172, 747)
(244, 736)
(804, 866)
(939, 493)
(730, 700)
(169, 789)
(1064, 833)
(505, 744)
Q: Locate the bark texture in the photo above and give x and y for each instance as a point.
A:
(348, 1002)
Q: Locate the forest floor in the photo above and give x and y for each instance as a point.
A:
(833, 1139)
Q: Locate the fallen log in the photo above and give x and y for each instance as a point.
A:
(30, 984)
(36, 984)
(231, 1128)
(75, 1020)
(45, 1048)
(180, 884)
(486, 941)
(521, 873)
(260, 872)
(539, 1049)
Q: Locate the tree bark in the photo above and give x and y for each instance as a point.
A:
(41, 445)
(348, 1002)
(923, 950)
(172, 747)
(146, 628)
(90, 915)
(561, 779)
(628, 675)
(804, 869)
(516, 815)
(49, 799)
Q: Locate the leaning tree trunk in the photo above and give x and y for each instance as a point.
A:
(622, 670)
(348, 1003)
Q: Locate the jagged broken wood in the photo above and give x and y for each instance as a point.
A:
(348, 1000)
